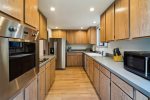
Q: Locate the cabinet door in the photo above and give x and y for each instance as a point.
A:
(20, 96)
(31, 13)
(59, 34)
(13, 8)
(104, 87)
(41, 84)
(110, 23)
(121, 19)
(70, 37)
(43, 27)
(55, 33)
(31, 91)
(52, 72)
(103, 28)
(62, 34)
(96, 77)
(139, 18)
(117, 93)
(140, 96)
(89, 35)
(81, 37)
(91, 69)
(47, 77)
(93, 35)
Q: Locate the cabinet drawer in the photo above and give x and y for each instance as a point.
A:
(140, 96)
(96, 65)
(105, 71)
(123, 85)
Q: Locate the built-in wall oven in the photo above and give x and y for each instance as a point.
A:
(18, 57)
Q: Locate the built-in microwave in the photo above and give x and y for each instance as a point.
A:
(138, 62)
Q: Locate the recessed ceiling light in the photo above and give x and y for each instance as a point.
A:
(94, 22)
(81, 27)
(52, 9)
(56, 27)
(92, 9)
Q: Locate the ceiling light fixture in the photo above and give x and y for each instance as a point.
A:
(52, 9)
(92, 9)
(56, 27)
(81, 27)
(94, 22)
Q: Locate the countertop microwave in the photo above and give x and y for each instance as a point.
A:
(138, 62)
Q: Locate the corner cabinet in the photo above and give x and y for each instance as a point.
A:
(110, 18)
(103, 28)
(121, 19)
(32, 13)
(43, 27)
(139, 18)
(13, 8)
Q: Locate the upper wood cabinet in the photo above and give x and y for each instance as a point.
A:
(43, 27)
(77, 37)
(139, 18)
(110, 17)
(103, 28)
(13, 8)
(81, 37)
(92, 35)
(59, 34)
(121, 19)
(32, 13)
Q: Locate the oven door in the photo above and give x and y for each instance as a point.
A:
(10, 88)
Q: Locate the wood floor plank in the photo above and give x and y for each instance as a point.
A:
(72, 84)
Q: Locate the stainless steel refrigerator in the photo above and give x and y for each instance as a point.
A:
(57, 46)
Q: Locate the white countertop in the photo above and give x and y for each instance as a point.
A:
(50, 57)
(117, 68)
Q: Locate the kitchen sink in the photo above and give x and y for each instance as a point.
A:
(93, 54)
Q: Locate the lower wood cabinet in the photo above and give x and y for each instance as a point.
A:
(52, 71)
(31, 91)
(74, 59)
(104, 85)
(140, 96)
(41, 84)
(96, 77)
(47, 77)
(20, 96)
(117, 93)
(91, 68)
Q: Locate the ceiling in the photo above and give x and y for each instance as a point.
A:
(73, 14)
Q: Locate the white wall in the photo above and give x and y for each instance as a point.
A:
(141, 44)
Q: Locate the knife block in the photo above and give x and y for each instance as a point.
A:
(118, 58)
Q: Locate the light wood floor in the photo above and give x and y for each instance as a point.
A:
(72, 84)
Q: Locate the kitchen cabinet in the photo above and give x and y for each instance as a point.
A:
(110, 18)
(31, 91)
(91, 69)
(103, 28)
(41, 83)
(20, 96)
(96, 78)
(139, 18)
(59, 34)
(70, 37)
(13, 8)
(74, 59)
(104, 85)
(32, 13)
(77, 37)
(52, 71)
(43, 27)
(81, 37)
(117, 93)
(121, 19)
(47, 77)
(92, 35)
(140, 96)
(123, 85)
